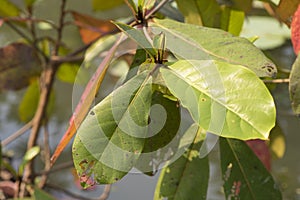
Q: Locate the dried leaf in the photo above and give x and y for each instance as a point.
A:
(91, 28)
(18, 64)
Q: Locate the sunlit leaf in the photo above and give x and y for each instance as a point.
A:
(106, 5)
(91, 28)
(111, 138)
(232, 20)
(244, 175)
(295, 31)
(8, 9)
(188, 41)
(163, 128)
(29, 155)
(18, 64)
(187, 177)
(277, 142)
(30, 100)
(200, 12)
(221, 99)
(294, 86)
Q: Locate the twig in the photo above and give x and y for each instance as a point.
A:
(47, 155)
(19, 32)
(17, 134)
(154, 10)
(57, 168)
(23, 35)
(56, 187)
(59, 60)
(106, 192)
(32, 25)
(284, 80)
(60, 26)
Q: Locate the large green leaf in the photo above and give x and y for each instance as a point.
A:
(225, 99)
(200, 12)
(294, 86)
(187, 177)
(192, 42)
(161, 140)
(244, 175)
(111, 138)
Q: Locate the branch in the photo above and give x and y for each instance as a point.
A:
(105, 193)
(47, 155)
(284, 80)
(156, 9)
(47, 79)
(56, 187)
(17, 134)
(57, 168)
(23, 35)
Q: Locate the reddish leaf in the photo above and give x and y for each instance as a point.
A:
(261, 150)
(86, 101)
(295, 29)
(18, 64)
(91, 28)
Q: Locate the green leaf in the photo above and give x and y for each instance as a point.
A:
(103, 5)
(294, 86)
(41, 194)
(225, 99)
(30, 100)
(29, 155)
(162, 131)
(244, 175)
(67, 72)
(187, 177)
(18, 65)
(29, 3)
(192, 42)
(111, 138)
(200, 12)
(132, 6)
(139, 58)
(138, 36)
(8, 9)
(232, 20)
